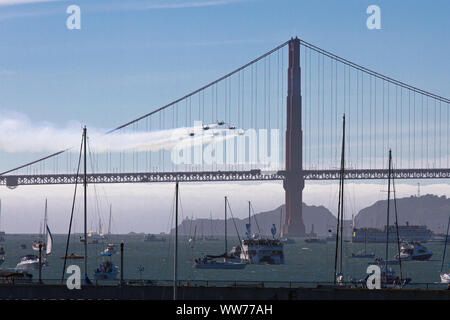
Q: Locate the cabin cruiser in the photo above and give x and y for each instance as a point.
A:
(106, 271)
(414, 251)
(30, 262)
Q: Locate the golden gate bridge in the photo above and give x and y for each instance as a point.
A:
(303, 108)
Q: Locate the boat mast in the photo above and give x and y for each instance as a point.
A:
(45, 222)
(249, 221)
(281, 217)
(340, 204)
(175, 266)
(387, 214)
(397, 230)
(109, 223)
(445, 245)
(85, 200)
(226, 246)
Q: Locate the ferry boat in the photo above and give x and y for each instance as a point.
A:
(414, 251)
(407, 232)
(257, 250)
(30, 262)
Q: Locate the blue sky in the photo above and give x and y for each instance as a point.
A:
(132, 56)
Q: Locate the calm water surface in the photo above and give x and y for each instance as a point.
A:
(304, 262)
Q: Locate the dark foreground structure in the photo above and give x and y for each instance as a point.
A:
(158, 292)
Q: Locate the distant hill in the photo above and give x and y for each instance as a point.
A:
(319, 216)
(429, 210)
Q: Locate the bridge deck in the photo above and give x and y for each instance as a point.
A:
(217, 176)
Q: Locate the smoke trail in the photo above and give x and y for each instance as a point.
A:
(19, 134)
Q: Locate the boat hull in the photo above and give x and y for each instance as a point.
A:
(220, 265)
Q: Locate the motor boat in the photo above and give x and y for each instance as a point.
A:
(445, 277)
(414, 251)
(31, 262)
(106, 271)
(73, 256)
(110, 250)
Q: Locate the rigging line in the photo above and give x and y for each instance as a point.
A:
(36, 161)
(71, 214)
(254, 217)
(445, 246)
(396, 226)
(234, 222)
(202, 88)
(373, 73)
(323, 111)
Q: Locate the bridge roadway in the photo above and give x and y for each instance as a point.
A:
(12, 181)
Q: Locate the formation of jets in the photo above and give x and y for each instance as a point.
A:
(214, 125)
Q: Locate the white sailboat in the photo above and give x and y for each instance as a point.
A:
(42, 233)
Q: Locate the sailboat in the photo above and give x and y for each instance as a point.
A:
(388, 277)
(211, 237)
(338, 274)
(210, 262)
(43, 234)
(364, 254)
(445, 277)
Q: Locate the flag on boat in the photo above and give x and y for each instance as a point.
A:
(49, 241)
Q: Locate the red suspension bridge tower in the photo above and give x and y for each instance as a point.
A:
(294, 182)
